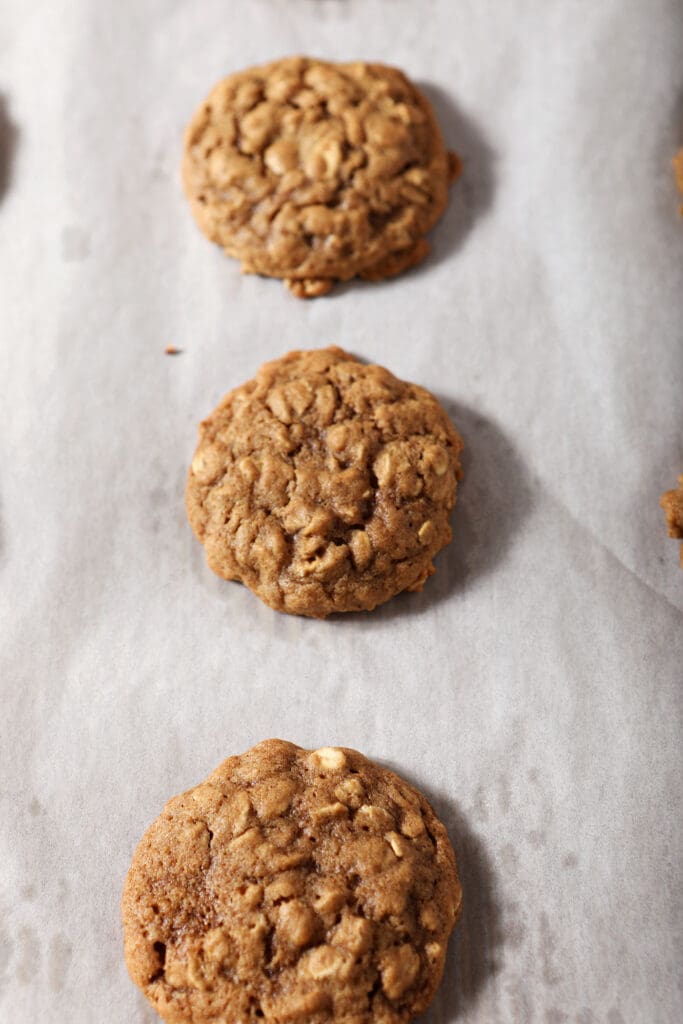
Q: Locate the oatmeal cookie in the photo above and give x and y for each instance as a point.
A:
(292, 885)
(325, 485)
(317, 172)
(672, 503)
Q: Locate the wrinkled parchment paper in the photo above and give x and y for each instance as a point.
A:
(534, 689)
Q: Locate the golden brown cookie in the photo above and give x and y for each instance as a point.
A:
(292, 886)
(672, 503)
(317, 172)
(324, 484)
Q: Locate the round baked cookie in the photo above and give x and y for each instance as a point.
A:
(316, 172)
(292, 885)
(324, 484)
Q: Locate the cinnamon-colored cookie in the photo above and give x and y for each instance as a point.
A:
(672, 503)
(324, 484)
(317, 172)
(292, 886)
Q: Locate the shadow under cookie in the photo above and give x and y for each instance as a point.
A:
(9, 137)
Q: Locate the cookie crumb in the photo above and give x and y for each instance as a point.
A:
(308, 287)
(454, 167)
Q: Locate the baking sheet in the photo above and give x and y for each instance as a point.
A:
(534, 689)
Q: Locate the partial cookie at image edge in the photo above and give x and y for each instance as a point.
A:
(672, 503)
(677, 164)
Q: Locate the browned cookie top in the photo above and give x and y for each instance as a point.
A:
(314, 171)
(292, 886)
(672, 503)
(324, 484)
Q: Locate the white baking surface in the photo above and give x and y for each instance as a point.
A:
(534, 689)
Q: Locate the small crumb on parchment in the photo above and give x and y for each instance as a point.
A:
(171, 350)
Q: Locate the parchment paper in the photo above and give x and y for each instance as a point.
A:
(534, 689)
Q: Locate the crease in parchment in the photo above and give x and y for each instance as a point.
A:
(590, 533)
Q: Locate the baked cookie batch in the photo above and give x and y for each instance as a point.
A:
(297, 885)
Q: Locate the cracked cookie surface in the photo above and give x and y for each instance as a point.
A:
(292, 885)
(324, 484)
(315, 172)
(672, 503)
